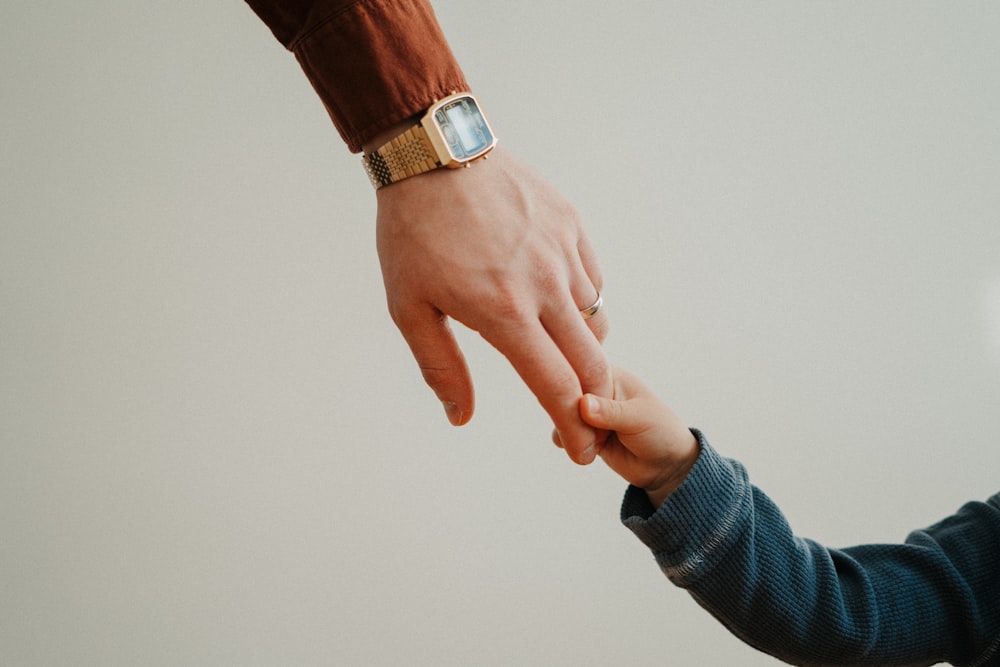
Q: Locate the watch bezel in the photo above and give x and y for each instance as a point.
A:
(435, 133)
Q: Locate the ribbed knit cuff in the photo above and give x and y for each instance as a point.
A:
(699, 521)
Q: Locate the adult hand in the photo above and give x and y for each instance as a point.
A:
(496, 248)
(650, 446)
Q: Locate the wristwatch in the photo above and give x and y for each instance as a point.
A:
(452, 133)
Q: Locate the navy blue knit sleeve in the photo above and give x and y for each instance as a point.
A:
(935, 598)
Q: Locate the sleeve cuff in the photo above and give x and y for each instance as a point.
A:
(376, 63)
(699, 521)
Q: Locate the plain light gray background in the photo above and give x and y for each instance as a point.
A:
(217, 450)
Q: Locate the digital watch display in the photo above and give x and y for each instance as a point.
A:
(465, 131)
(453, 133)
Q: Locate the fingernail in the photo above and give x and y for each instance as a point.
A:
(593, 404)
(588, 455)
(453, 412)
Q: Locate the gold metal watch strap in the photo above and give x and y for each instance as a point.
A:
(406, 155)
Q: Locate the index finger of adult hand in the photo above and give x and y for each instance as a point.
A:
(551, 378)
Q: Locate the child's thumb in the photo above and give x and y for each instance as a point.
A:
(601, 412)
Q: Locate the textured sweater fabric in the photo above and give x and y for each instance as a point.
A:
(934, 598)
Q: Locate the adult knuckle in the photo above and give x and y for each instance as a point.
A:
(595, 373)
(400, 312)
(506, 309)
(566, 210)
(563, 387)
(551, 274)
(438, 376)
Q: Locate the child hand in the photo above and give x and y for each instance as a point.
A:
(650, 447)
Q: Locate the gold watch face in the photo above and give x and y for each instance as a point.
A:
(452, 133)
(466, 133)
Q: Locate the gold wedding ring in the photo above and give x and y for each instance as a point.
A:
(592, 309)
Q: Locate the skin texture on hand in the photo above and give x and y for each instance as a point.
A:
(495, 247)
(650, 446)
